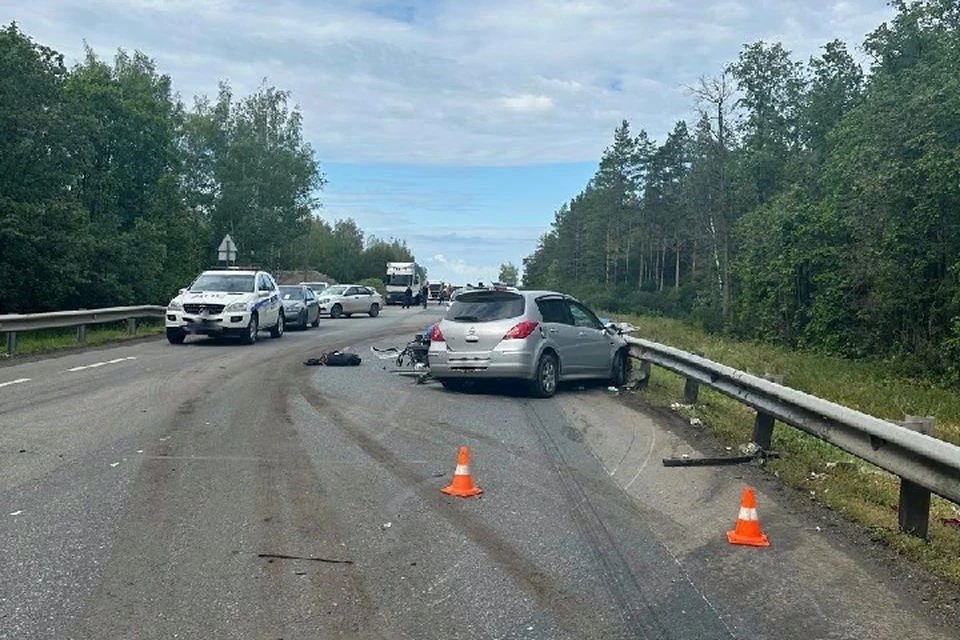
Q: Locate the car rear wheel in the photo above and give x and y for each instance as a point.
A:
(452, 384)
(336, 311)
(176, 336)
(253, 328)
(302, 320)
(374, 310)
(276, 331)
(544, 385)
(619, 368)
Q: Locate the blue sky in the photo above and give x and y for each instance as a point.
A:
(460, 126)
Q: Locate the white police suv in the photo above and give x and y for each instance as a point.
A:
(226, 302)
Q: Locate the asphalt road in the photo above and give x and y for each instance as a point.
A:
(219, 491)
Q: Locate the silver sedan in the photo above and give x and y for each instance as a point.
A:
(542, 337)
(347, 299)
(300, 307)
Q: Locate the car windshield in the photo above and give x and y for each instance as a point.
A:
(223, 282)
(485, 306)
(334, 291)
(291, 293)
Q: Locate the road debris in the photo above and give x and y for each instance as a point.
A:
(16, 513)
(334, 359)
(282, 556)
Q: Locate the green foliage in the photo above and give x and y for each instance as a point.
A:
(376, 283)
(509, 274)
(112, 193)
(808, 206)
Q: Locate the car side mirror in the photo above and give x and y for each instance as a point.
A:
(181, 292)
(263, 294)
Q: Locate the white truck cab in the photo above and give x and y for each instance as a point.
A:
(226, 302)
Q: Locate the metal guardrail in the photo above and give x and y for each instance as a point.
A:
(922, 462)
(12, 324)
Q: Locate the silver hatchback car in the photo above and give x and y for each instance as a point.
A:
(542, 337)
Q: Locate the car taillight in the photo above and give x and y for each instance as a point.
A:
(435, 334)
(521, 331)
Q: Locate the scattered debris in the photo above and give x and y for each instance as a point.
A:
(816, 476)
(386, 525)
(282, 556)
(750, 449)
(334, 359)
(114, 464)
(845, 464)
(696, 422)
(676, 406)
(16, 513)
(613, 389)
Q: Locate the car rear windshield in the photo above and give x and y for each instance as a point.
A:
(292, 293)
(485, 306)
(334, 291)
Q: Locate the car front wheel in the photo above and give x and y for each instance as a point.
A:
(253, 328)
(619, 368)
(276, 331)
(176, 336)
(544, 385)
(336, 311)
(374, 310)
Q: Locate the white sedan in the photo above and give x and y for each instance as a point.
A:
(347, 299)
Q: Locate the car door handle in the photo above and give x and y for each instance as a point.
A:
(554, 330)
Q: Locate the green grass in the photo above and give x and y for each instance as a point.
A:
(44, 340)
(859, 491)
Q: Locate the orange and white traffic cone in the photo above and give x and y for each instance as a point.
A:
(462, 485)
(748, 530)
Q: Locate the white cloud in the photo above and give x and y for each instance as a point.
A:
(527, 103)
(449, 82)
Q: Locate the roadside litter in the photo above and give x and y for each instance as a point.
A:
(334, 359)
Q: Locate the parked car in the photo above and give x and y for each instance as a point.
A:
(300, 305)
(542, 337)
(347, 299)
(226, 302)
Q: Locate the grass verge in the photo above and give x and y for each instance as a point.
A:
(44, 340)
(854, 488)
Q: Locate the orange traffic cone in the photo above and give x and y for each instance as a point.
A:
(747, 530)
(462, 480)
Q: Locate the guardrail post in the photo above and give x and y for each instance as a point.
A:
(914, 511)
(691, 388)
(11, 342)
(763, 424)
(82, 334)
(132, 326)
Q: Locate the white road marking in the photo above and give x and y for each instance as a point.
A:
(100, 364)
(17, 381)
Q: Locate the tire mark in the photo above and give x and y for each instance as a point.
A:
(636, 611)
(562, 604)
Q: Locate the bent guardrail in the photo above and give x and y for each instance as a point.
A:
(12, 324)
(922, 462)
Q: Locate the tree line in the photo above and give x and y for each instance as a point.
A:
(113, 192)
(813, 204)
